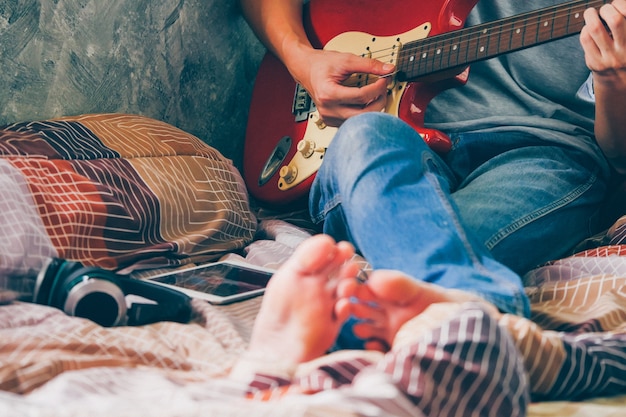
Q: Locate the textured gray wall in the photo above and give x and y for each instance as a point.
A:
(190, 63)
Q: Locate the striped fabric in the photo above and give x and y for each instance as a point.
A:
(142, 193)
(116, 191)
(455, 359)
(466, 365)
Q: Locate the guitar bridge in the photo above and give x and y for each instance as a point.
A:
(303, 105)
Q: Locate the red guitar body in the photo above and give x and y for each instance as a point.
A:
(271, 118)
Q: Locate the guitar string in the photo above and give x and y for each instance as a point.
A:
(432, 45)
(554, 22)
(533, 19)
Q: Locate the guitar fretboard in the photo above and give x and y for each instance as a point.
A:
(462, 47)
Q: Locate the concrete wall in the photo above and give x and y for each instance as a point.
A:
(190, 63)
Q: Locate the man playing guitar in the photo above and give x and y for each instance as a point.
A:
(536, 135)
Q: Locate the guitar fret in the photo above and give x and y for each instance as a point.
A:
(464, 46)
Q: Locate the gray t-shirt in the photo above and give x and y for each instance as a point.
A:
(536, 90)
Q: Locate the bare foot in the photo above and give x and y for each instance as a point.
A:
(388, 300)
(302, 313)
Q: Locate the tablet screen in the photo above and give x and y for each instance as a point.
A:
(221, 279)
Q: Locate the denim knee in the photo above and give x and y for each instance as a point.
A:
(368, 140)
(369, 128)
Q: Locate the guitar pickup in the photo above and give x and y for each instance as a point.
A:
(302, 105)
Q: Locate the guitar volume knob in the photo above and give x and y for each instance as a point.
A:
(288, 173)
(306, 147)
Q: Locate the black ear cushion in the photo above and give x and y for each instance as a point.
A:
(48, 280)
(91, 293)
(87, 292)
(67, 276)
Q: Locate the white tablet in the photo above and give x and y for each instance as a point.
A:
(219, 282)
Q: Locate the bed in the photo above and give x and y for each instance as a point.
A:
(135, 195)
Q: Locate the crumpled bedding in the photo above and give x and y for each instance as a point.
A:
(573, 351)
(569, 358)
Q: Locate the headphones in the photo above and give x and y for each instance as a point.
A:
(100, 295)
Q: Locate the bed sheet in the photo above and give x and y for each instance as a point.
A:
(574, 350)
(129, 193)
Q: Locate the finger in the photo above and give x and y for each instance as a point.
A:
(338, 114)
(346, 101)
(592, 52)
(610, 17)
(597, 37)
(603, 38)
(352, 104)
(617, 23)
(620, 5)
(360, 96)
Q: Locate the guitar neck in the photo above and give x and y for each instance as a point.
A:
(462, 47)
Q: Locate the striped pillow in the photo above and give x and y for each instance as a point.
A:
(117, 191)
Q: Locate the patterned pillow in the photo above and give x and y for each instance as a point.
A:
(117, 191)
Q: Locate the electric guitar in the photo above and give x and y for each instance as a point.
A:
(426, 41)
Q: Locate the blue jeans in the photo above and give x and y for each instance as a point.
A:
(493, 208)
